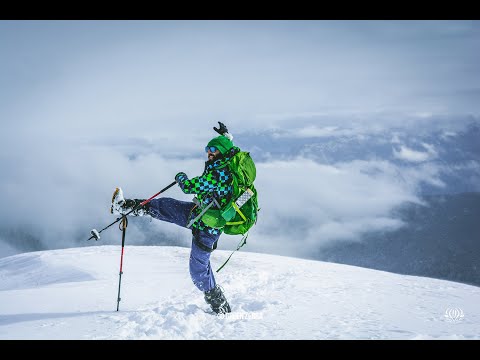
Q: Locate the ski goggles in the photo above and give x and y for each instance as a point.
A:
(211, 148)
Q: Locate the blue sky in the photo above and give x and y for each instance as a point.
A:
(75, 94)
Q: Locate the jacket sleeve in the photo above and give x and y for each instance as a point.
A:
(200, 185)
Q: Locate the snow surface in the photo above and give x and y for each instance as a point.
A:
(72, 294)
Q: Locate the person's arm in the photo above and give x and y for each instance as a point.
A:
(199, 185)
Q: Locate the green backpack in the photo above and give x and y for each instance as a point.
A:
(238, 216)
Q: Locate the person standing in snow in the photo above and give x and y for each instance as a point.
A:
(215, 184)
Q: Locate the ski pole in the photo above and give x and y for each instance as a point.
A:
(124, 230)
(96, 234)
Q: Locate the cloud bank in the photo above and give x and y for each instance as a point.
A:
(305, 205)
(88, 106)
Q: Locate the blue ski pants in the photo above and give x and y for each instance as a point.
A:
(180, 213)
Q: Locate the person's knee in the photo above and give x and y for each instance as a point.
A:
(157, 203)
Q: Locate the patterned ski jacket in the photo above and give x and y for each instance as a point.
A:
(216, 181)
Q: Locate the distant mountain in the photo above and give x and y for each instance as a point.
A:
(440, 240)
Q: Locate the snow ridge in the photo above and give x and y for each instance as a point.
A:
(71, 294)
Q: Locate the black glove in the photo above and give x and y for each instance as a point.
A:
(223, 129)
(180, 177)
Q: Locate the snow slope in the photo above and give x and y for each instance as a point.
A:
(71, 294)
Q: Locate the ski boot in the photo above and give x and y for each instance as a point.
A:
(121, 206)
(217, 300)
(117, 201)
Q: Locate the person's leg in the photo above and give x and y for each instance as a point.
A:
(179, 212)
(165, 209)
(200, 268)
(170, 210)
(201, 271)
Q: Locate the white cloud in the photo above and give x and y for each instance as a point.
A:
(64, 190)
(396, 139)
(349, 230)
(448, 135)
(306, 205)
(313, 131)
(407, 154)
